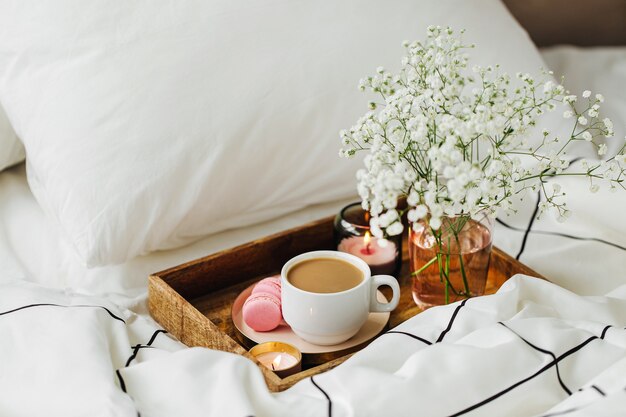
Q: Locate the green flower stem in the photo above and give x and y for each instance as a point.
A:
(440, 266)
(446, 292)
(462, 265)
(447, 275)
(463, 275)
(444, 275)
(426, 265)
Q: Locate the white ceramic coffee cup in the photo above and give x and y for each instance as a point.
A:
(332, 318)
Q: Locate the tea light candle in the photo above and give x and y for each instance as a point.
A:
(380, 257)
(282, 358)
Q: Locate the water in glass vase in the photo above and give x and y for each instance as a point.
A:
(451, 263)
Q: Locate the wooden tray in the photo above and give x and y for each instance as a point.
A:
(193, 301)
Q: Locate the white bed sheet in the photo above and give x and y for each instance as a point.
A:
(533, 349)
(594, 246)
(81, 351)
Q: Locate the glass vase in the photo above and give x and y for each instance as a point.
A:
(451, 263)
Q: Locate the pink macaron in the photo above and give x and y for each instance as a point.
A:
(262, 311)
(269, 285)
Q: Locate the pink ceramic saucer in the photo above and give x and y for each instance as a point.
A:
(374, 325)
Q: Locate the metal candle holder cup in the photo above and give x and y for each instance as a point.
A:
(273, 355)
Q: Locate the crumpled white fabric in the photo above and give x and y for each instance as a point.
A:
(65, 361)
(469, 359)
(11, 149)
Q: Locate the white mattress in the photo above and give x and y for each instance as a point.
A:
(88, 355)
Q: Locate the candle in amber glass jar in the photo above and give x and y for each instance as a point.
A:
(352, 235)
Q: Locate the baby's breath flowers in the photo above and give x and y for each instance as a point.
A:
(456, 141)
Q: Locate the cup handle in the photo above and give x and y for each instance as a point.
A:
(377, 281)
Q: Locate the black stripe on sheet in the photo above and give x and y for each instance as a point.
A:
(447, 329)
(136, 348)
(541, 232)
(547, 352)
(595, 387)
(330, 403)
(154, 336)
(133, 355)
(60, 305)
(123, 386)
(528, 378)
(121, 380)
(428, 342)
(606, 329)
(530, 225)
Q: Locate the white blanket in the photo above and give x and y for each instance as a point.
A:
(531, 349)
(521, 352)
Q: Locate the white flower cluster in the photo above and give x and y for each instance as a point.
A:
(453, 141)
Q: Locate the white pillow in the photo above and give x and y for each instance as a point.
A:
(149, 125)
(11, 149)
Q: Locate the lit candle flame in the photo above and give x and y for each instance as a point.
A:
(367, 240)
(276, 362)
